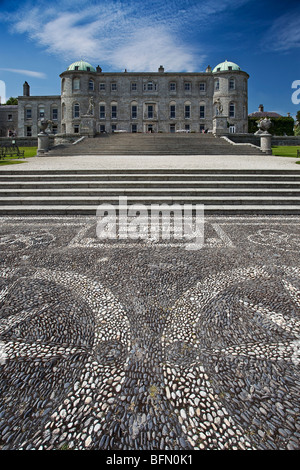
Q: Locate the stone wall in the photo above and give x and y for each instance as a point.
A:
(255, 140)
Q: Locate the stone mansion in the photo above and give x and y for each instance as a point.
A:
(139, 101)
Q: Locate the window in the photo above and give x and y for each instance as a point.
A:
(232, 129)
(150, 111)
(134, 86)
(54, 129)
(28, 113)
(187, 111)
(114, 111)
(9, 117)
(76, 129)
(102, 128)
(76, 84)
(91, 85)
(202, 86)
(232, 84)
(172, 111)
(202, 111)
(113, 87)
(187, 86)
(41, 112)
(172, 86)
(113, 127)
(102, 111)
(172, 128)
(150, 86)
(76, 110)
(133, 128)
(28, 131)
(187, 127)
(54, 114)
(101, 86)
(232, 110)
(134, 111)
(217, 85)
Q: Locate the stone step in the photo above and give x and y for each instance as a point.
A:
(81, 192)
(43, 178)
(145, 191)
(221, 210)
(148, 200)
(154, 144)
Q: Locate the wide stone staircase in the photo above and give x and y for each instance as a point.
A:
(80, 192)
(154, 144)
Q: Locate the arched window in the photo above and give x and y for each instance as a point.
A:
(114, 110)
(187, 110)
(76, 83)
(91, 85)
(133, 111)
(172, 110)
(76, 110)
(102, 111)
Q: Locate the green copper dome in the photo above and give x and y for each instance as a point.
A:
(226, 66)
(81, 65)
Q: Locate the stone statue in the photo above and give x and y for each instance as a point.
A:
(43, 124)
(219, 107)
(90, 110)
(263, 125)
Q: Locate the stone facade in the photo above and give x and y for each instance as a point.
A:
(33, 108)
(140, 101)
(8, 120)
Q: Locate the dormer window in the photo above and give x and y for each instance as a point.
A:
(88, 69)
(76, 67)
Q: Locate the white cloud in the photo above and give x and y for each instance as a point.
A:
(136, 35)
(30, 73)
(284, 34)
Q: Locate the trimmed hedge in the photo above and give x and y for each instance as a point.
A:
(280, 126)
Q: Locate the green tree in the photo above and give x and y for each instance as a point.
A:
(12, 100)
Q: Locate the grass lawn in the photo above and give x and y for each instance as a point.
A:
(286, 151)
(29, 152)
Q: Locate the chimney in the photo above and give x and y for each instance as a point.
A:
(208, 69)
(161, 69)
(26, 89)
(261, 108)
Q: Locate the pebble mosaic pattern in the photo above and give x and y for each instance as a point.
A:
(149, 347)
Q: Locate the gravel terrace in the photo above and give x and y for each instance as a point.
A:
(146, 345)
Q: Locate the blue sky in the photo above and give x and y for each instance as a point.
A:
(39, 39)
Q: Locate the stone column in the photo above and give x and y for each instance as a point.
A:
(43, 144)
(266, 143)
